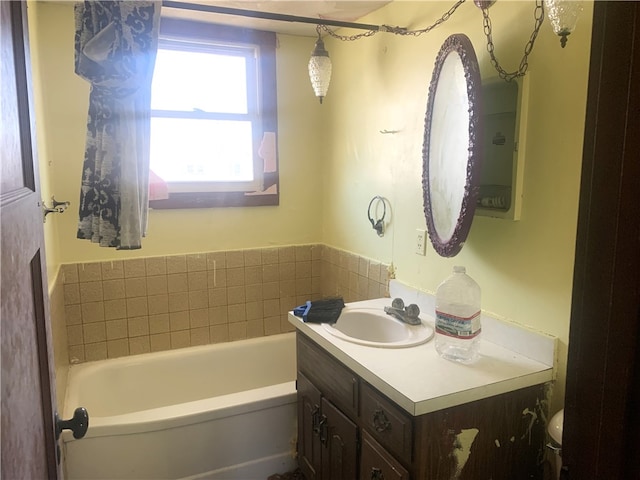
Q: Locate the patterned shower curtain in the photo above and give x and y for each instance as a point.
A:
(115, 50)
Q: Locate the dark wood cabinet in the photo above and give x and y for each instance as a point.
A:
(347, 429)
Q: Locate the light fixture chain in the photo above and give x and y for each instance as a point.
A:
(395, 30)
(524, 64)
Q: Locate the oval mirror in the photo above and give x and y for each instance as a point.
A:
(452, 150)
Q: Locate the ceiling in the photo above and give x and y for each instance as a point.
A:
(342, 10)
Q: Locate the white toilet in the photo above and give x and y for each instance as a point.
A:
(555, 432)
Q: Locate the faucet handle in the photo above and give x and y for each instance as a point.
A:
(398, 303)
(413, 311)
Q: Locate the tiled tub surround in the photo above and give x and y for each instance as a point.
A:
(127, 307)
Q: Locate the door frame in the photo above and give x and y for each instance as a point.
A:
(603, 368)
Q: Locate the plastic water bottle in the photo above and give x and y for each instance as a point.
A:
(457, 335)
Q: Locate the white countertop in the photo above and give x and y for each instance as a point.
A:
(420, 381)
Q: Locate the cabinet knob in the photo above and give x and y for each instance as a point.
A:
(380, 421)
(376, 474)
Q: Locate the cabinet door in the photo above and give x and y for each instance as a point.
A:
(339, 436)
(309, 446)
(377, 464)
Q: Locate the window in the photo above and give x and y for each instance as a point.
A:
(213, 116)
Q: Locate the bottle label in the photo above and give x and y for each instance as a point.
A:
(458, 327)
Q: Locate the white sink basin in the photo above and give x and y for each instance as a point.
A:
(374, 328)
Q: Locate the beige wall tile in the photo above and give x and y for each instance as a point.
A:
(74, 335)
(196, 262)
(217, 278)
(253, 275)
(113, 289)
(316, 252)
(157, 285)
(253, 293)
(135, 267)
(316, 268)
(180, 339)
(285, 325)
(158, 304)
(176, 264)
(270, 273)
(270, 290)
(199, 318)
(91, 292)
(94, 332)
(117, 329)
(139, 345)
(252, 257)
(216, 260)
(118, 348)
(271, 308)
(199, 336)
(92, 312)
(135, 287)
(76, 354)
(374, 271)
(178, 302)
(303, 269)
(218, 315)
(197, 280)
(254, 310)
(115, 309)
(287, 271)
(354, 263)
(255, 328)
(303, 286)
(137, 307)
(198, 299)
(236, 295)
(160, 342)
(217, 296)
(95, 351)
(269, 256)
(303, 253)
(73, 314)
(89, 272)
(363, 267)
(272, 325)
(70, 273)
(235, 259)
(156, 266)
(138, 326)
(237, 331)
(159, 323)
(236, 313)
(179, 321)
(177, 282)
(286, 254)
(112, 270)
(287, 288)
(235, 277)
(219, 333)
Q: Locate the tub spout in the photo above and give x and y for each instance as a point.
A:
(409, 314)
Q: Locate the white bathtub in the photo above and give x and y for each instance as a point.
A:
(223, 411)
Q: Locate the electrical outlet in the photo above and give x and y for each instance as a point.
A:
(421, 246)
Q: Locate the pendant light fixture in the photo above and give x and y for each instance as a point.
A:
(320, 68)
(563, 15)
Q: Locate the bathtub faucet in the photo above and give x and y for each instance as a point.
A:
(408, 314)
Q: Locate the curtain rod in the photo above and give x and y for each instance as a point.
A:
(269, 16)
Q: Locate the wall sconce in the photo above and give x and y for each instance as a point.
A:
(320, 68)
(563, 15)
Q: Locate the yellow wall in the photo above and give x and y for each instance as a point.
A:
(62, 112)
(525, 268)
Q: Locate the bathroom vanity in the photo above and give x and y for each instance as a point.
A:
(382, 413)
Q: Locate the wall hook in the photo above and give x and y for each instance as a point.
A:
(378, 225)
(56, 207)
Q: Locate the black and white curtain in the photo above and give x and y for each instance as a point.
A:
(115, 50)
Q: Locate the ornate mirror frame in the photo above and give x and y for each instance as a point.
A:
(452, 148)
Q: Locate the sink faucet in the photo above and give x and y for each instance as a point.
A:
(408, 314)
